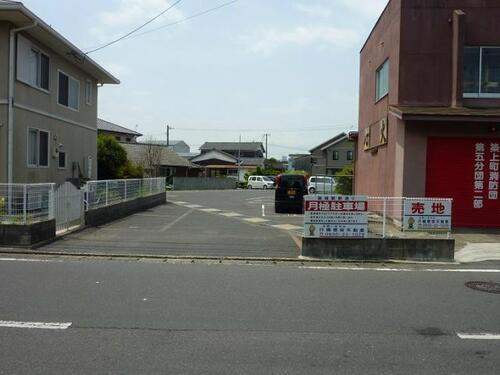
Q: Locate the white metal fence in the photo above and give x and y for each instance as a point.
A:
(109, 192)
(26, 203)
(386, 218)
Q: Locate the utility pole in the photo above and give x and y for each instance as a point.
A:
(168, 134)
(267, 154)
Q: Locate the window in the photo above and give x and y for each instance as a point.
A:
(382, 79)
(118, 138)
(38, 148)
(62, 159)
(88, 92)
(33, 66)
(481, 76)
(69, 91)
(335, 155)
(350, 155)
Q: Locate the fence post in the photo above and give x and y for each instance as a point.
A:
(384, 216)
(25, 202)
(150, 187)
(125, 190)
(106, 193)
(52, 202)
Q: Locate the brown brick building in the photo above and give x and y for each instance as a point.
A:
(429, 118)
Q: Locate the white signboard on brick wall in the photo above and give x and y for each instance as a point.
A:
(427, 214)
(335, 216)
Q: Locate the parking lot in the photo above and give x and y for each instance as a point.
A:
(238, 223)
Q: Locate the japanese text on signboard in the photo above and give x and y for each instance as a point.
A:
(486, 173)
(427, 214)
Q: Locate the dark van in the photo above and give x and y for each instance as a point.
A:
(289, 194)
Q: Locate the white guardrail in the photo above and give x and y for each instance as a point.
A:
(109, 192)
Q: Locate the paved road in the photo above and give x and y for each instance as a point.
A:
(145, 318)
(215, 223)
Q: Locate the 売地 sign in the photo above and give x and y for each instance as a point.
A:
(334, 216)
(427, 214)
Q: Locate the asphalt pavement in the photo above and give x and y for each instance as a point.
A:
(117, 317)
(208, 224)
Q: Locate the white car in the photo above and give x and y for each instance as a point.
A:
(260, 182)
(321, 185)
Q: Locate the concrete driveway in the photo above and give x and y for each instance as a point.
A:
(237, 223)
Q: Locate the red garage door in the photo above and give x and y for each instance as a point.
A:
(466, 169)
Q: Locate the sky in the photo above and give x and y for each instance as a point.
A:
(289, 68)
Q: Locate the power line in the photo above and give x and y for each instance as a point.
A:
(136, 29)
(260, 130)
(196, 15)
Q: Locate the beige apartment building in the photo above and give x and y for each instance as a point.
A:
(48, 102)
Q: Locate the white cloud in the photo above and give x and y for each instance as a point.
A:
(128, 14)
(265, 42)
(314, 10)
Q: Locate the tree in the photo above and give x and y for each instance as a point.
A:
(111, 157)
(151, 157)
(131, 170)
(343, 180)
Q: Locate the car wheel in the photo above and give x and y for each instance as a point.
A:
(312, 190)
(250, 187)
(265, 187)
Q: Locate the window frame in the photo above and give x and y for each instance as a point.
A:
(70, 77)
(350, 155)
(479, 95)
(377, 85)
(335, 155)
(37, 165)
(40, 52)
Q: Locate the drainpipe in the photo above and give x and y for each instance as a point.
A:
(10, 123)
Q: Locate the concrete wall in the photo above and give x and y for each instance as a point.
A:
(379, 249)
(76, 130)
(203, 183)
(107, 214)
(375, 172)
(27, 235)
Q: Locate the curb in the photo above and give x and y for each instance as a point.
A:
(13, 251)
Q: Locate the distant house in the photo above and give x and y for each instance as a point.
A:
(333, 155)
(160, 161)
(120, 133)
(48, 102)
(292, 159)
(180, 147)
(231, 158)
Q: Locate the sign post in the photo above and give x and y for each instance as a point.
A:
(335, 216)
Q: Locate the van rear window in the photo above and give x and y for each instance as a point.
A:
(296, 182)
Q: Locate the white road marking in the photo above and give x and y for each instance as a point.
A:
(170, 225)
(479, 336)
(179, 202)
(461, 270)
(263, 210)
(256, 220)
(193, 206)
(34, 325)
(31, 260)
(210, 210)
(286, 227)
(231, 214)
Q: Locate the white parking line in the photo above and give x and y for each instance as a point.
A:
(193, 206)
(286, 227)
(479, 336)
(210, 210)
(231, 214)
(179, 202)
(34, 325)
(256, 220)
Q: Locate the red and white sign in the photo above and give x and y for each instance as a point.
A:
(427, 214)
(334, 216)
(467, 170)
